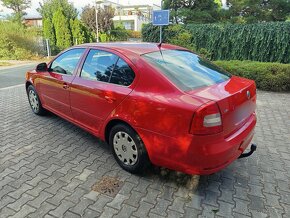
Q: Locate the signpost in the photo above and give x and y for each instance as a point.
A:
(160, 18)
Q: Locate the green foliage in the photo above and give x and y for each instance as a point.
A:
(49, 33)
(62, 31)
(239, 11)
(16, 42)
(119, 33)
(104, 37)
(49, 7)
(194, 11)
(268, 76)
(265, 42)
(150, 33)
(178, 35)
(61, 25)
(249, 11)
(134, 34)
(80, 33)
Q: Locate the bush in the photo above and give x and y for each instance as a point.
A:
(119, 33)
(16, 42)
(173, 34)
(268, 76)
(134, 34)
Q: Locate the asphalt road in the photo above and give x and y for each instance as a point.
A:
(14, 76)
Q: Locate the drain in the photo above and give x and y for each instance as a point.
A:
(108, 185)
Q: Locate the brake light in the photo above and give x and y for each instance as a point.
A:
(207, 120)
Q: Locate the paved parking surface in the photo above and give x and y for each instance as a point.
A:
(49, 166)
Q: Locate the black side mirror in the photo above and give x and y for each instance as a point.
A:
(41, 67)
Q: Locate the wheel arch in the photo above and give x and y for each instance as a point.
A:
(111, 124)
(27, 84)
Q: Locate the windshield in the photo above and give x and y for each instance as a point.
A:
(186, 70)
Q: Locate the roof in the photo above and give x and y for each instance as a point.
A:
(33, 18)
(136, 48)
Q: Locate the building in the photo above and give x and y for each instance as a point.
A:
(33, 21)
(132, 17)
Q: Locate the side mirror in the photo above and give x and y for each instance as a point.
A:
(41, 67)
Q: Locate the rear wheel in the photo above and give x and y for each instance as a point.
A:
(34, 101)
(128, 149)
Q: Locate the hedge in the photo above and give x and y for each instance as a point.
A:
(268, 76)
(264, 42)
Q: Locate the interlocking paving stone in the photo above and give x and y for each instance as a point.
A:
(49, 166)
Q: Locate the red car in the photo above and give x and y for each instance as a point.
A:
(151, 103)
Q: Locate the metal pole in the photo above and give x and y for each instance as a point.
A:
(47, 48)
(97, 23)
(161, 26)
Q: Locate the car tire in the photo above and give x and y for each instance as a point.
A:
(34, 101)
(128, 149)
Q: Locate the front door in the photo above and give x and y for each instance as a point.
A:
(55, 84)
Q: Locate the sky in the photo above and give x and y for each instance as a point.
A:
(79, 4)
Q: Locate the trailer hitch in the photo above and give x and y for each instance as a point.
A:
(253, 149)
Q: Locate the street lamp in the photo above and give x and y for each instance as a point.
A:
(97, 23)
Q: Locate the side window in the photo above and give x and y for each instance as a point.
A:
(99, 65)
(67, 62)
(122, 74)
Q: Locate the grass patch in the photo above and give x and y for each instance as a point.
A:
(4, 64)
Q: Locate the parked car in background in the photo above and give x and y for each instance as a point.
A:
(151, 103)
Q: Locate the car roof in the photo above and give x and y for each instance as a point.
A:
(138, 48)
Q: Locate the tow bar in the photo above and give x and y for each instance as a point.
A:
(253, 149)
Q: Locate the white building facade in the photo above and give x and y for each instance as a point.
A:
(132, 17)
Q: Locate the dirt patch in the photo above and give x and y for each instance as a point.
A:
(108, 185)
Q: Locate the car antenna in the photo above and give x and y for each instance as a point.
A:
(159, 46)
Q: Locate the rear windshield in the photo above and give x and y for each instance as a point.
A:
(185, 69)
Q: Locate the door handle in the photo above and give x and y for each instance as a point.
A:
(65, 86)
(110, 99)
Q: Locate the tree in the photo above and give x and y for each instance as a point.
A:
(18, 7)
(252, 11)
(60, 24)
(62, 30)
(194, 11)
(105, 18)
(49, 7)
(80, 33)
(49, 33)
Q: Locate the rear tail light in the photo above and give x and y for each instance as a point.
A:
(207, 120)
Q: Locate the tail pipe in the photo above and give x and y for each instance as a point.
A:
(253, 149)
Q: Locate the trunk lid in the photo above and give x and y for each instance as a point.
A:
(236, 99)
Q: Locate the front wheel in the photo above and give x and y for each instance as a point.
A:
(128, 149)
(34, 101)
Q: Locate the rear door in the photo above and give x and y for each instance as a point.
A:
(104, 81)
(55, 84)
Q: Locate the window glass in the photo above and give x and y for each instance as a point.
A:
(67, 62)
(122, 74)
(186, 70)
(99, 65)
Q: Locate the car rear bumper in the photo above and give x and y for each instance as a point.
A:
(198, 154)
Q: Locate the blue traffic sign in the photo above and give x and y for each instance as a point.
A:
(160, 17)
